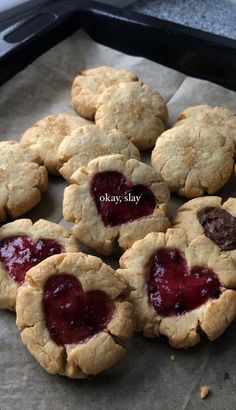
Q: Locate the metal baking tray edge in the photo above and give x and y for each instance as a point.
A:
(190, 51)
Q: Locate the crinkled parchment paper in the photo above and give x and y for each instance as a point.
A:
(146, 378)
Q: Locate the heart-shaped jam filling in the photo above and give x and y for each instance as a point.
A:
(173, 288)
(72, 315)
(219, 226)
(19, 253)
(118, 201)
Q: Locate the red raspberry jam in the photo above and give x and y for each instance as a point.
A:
(117, 201)
(173, 288)
(72, 315)
(19, 253)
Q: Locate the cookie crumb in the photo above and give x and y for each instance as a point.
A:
(172, 358)
(204, 391)
(226, 376)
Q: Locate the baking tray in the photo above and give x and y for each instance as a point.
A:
(193, 52)
(146, 378)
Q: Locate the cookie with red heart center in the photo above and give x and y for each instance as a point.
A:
(174, 288)
(72, 315)
(216, 220)
(179, 289)
(115, 198)
(109, 184)
(24, 245)
(73, 308)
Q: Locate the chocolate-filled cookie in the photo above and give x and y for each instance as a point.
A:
(214, 219)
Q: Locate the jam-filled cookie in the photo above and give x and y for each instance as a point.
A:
(178, 289)
(23, 245)
(22, 180)
(87, 143)
(216, 220)
(220, 118)
(136, 110)
(194, 159)
(90, 84)
(45, 136)
(114, 198)
(73, 315)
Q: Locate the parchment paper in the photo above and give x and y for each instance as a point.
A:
(146, 378)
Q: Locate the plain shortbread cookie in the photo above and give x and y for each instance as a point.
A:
(90, 84)
(45, 136)
(194, 159)
(220, 118)
(22, 180)
(134, 109)
(89, 142)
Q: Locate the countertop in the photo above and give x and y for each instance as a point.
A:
(214, 16)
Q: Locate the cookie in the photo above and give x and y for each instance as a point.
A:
(73, 315)
(134, 109)
(90, 84)
(45, 136)
(216, 220)
(22, 246)
(22, 180)
(220, 118)
(180, 290)
(87, 143)
(114, 198)
(192, 112)
(193, 159)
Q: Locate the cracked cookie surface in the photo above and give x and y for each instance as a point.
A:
(90, 84)
(114, 198)
(22, 180)
(179, 289)
(194, 159)
(89, 142)
(74, 328)
(22, 246)
(45, 136)
(220, 118)
(134, 109)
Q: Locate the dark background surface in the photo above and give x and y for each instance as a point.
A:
(214, 16)
(146, 379)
